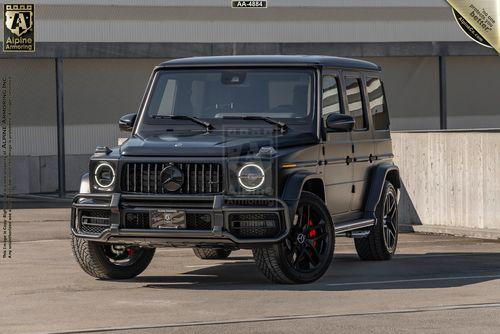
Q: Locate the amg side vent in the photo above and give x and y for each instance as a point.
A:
(147, 178)
(94, 222)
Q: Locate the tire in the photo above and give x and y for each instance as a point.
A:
(303, 256)
(382, 241)
(211, 253)
(97, 261)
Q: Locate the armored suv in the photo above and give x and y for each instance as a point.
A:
(277, 154)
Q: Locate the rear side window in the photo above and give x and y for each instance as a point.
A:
(331, 102)
(378, 107)
(355, 102)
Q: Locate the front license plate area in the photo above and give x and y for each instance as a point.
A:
(167, 219)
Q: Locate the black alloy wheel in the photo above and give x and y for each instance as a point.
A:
(308, 244)
(382, 241)
(389, 221)
(307, 252)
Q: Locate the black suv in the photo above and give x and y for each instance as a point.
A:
(278, 154)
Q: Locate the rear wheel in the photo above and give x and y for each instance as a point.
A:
(211, 253)
(382, 241)
(306, 253)
(108, 261)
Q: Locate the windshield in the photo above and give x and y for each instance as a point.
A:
(222, 93)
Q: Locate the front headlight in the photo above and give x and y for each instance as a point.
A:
(104, 175)
(251, 176)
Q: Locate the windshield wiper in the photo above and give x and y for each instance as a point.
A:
(198, 121)
(282, 126)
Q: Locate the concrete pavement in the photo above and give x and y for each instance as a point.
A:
(434, 284)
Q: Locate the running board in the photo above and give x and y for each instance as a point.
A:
(353, 225)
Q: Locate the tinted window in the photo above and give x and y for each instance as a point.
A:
(276, 93)
(355, 102)
(378, 107)
(331, 103)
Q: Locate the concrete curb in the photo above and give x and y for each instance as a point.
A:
(491, 234)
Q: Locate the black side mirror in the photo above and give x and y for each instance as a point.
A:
(127, 122)
(339, 123)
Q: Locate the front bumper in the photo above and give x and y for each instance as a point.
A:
(219, 208)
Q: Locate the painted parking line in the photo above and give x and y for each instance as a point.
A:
(439, 308)
(415, 280)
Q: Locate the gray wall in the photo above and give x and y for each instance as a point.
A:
(450, 178)
(215, 21)
(33, 105)
(97, 92)
(473, 88)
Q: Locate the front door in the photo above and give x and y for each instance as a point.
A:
(337, 149)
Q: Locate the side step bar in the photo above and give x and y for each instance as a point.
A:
(353, 225)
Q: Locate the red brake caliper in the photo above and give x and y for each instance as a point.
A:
(130, 251)
(312, 233)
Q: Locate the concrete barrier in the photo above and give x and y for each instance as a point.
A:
(451, 181)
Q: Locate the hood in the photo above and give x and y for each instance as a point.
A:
(200, 144)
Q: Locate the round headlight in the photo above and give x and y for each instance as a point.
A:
(251, 176)
(104, 175)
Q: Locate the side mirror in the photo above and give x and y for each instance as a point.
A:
(339, 123)
(127, 122)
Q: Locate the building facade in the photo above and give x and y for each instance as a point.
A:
(95, 57)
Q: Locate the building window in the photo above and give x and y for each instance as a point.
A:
(355, 103)
(331, 102)
(378, 107)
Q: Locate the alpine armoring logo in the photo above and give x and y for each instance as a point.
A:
(19, 28)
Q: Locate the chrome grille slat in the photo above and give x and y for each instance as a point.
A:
(156, 178)
(199, 178)
(149, 176)
(210, 183)
(128, 181)
(135, 177)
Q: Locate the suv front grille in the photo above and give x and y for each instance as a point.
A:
(199, 178)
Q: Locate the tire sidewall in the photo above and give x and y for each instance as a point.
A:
(388, 187)
(120, 271)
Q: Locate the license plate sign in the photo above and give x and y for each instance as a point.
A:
(167, 219)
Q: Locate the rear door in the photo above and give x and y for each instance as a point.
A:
(362, 138)
(337, 149)
(380, 118)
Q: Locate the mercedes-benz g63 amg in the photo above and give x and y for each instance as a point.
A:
(278, 154)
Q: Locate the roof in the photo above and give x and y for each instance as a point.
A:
(273, 60)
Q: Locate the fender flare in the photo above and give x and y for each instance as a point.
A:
(293, 188)
(85, 184)
(378, 177)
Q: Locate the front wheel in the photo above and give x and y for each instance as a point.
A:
(382, 241)
(306, 253)
(108, 261)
